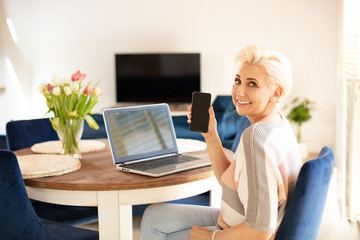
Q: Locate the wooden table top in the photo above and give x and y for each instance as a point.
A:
(98, 173)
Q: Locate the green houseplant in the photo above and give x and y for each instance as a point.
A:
(300, 113)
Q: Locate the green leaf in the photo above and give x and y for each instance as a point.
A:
(80, 105)
(301, 111)
(55, 123)
(92, 123)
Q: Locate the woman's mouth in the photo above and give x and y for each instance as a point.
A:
(243, 102)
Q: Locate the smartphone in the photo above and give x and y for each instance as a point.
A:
(200, 112)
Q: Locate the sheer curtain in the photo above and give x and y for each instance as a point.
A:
(348, 109)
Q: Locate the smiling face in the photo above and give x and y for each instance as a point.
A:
(252, 95)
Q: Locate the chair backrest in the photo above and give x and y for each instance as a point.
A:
(305, 210)
(17, 217)
(221, 102)
(243, 124)
(90, 133)
(25, 133)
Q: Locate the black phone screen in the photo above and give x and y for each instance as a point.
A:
(200, 112)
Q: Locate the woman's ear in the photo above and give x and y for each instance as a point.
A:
(277, 94)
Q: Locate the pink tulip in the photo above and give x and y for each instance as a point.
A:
(49, 87)
(78, 76)
(88, 90)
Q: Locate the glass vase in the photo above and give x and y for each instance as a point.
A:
(70, 132)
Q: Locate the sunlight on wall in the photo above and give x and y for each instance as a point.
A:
(13, 99)
(12, 30)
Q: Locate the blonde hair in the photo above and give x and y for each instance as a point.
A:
(276, 66)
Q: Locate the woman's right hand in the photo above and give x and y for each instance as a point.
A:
(212, 129)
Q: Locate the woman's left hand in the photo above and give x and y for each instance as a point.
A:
(200, 233)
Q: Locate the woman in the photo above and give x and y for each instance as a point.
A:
(259, 180)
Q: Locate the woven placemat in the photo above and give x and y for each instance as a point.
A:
(85, 146)
(46, 165)
(190, 145)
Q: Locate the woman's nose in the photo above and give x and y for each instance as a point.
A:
(240, 90)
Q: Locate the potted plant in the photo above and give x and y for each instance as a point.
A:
(300, 113)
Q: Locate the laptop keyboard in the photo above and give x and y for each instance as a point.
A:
(161, 162)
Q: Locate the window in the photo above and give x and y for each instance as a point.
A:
(348, 109)
(350, 34)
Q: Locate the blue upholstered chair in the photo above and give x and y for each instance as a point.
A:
(3, 144)
(90, 133)
(305, 210)
(23, 134)
(18, 219)
(243, 124)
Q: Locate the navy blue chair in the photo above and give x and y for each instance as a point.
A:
(243, 124)
(305, 210)
(25, 133)
(90, 133)
(3, 144)
(18, 219)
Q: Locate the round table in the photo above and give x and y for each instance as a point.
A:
(99, 183)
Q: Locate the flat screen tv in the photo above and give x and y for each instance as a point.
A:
(154, 78)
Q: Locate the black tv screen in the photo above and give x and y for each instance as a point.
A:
(154, 78)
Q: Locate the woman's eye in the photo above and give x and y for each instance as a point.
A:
(252, 84)
(237, 81)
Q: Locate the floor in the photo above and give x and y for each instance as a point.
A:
(332, 228)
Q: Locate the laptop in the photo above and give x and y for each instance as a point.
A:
(143, 141)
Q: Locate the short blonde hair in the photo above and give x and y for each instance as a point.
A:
(276, 66)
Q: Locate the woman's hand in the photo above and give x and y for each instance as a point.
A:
(218, 158)
(212, 129)
(200, 233)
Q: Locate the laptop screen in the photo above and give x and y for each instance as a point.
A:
(140, 132)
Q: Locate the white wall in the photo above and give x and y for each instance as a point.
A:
(63, 36)
(14, 104)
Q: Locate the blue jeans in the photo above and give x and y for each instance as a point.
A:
(174, 221)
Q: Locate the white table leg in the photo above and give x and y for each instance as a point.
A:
(108, 212)
(115, 221)
(126, 223)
